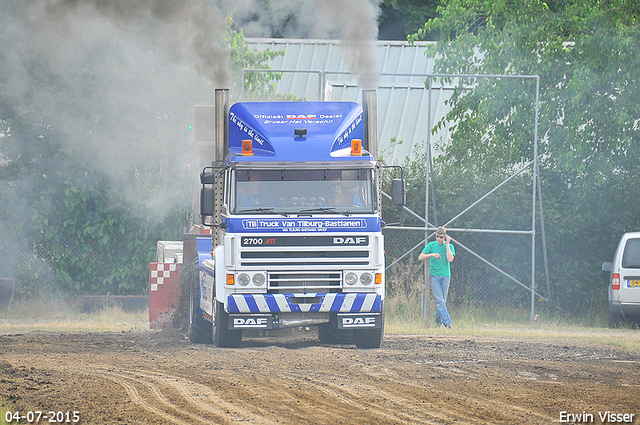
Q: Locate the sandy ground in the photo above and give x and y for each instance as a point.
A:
(144, 377)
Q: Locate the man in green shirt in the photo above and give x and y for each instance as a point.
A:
(440, 254)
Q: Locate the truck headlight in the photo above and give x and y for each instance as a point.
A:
(351, 278)
(258, 279)
(243, 279)
(366, 278)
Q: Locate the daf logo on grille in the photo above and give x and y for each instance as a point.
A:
(358, 240)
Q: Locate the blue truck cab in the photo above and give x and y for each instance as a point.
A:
(296, 206)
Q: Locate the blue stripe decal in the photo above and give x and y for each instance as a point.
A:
(337, 303)
(271, 302)
(251, 302)
(357, 304)
(232, 306)
(377, 304)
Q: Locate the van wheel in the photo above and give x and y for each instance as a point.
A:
(221, 334)
(614, 321)
(199, 330)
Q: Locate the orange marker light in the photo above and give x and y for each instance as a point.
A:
(356, 147)
(230, 279)
(247, 147)
(378, 278)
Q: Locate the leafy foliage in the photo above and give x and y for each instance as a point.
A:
(586, 55)
(256, 84)
(399, 18)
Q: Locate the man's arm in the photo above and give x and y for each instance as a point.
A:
(449, 253)
(424, 256)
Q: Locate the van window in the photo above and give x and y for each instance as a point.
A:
(631, 255)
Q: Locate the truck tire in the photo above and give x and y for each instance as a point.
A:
(329, 333)
(222, 336)
(370, 338)
(199, 330)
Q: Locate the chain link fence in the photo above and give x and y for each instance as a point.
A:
(473, 283)
(21, 269)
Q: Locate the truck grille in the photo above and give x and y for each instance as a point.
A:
(305, 282)
(304, 258)
(312, 263)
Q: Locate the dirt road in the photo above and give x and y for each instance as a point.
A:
(159, 377)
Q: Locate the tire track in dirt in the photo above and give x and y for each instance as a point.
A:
(158, 378)
(470, 403)
(382, 399)
(136, 398)
(380, 404)
(222, 409)
(395, 398)
(296, 396)
(216, 409)
(462, 399)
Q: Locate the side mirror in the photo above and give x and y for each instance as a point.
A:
(606, 267)
(207, 202)
(207, 177)
(398, 192)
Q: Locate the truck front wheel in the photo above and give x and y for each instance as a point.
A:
(199, 330)
(328, 333)
(370, 338)
(222, 335)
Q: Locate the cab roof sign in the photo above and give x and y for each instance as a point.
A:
(295, 131)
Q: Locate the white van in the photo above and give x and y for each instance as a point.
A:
(624, 287)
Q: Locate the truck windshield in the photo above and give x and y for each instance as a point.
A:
(328, 191)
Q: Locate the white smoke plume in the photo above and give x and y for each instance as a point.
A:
(357, 25)
(192, 27)
(138, 54)
(354, 22)
(186, 27)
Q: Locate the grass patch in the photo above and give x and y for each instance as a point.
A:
(403, 316)
(60, 315)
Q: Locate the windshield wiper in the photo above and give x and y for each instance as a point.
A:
(324, 209)
(262, 210)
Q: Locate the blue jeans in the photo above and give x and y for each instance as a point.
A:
(440, 289)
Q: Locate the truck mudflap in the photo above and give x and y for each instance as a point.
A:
(359, 321)
(257, 321)
(303, 303)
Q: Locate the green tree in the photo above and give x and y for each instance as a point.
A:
(399, 18)
(256, 84)
(587, 55)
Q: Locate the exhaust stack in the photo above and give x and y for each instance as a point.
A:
(370, 111)
(221, 125)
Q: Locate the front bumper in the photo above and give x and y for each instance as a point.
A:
(304, 303)
(624, 309)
